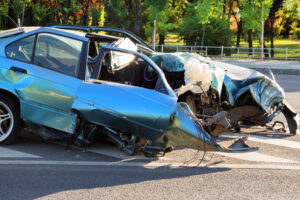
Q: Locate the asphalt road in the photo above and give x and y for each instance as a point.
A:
(36, 169)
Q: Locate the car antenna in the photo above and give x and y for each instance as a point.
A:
(9, 17)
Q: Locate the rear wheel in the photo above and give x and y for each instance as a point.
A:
(10, 121)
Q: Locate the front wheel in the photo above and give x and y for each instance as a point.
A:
(10, 121)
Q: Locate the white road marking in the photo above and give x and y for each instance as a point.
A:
(267, 140)
(9, 153)
(256, 166)
(256, 157)
(145, 165)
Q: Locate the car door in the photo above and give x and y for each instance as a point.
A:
(124, 105)
(47, 85)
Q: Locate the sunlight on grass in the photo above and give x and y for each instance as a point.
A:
(292, 45)
(173, 39)
(279, 43)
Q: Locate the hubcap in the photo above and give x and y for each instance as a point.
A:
(6, 121)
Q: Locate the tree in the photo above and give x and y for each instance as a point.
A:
(290, 19)
(270, 22)
(97, 14)
(208, 21)
(3, 13)
(158, 14)
(251, 16)
(235, 12)
(39, 11)
(125, 14)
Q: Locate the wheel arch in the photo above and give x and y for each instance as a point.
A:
(11, 95)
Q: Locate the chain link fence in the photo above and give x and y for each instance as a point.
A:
(234, 52)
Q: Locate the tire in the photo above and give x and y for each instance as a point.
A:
(10, 121)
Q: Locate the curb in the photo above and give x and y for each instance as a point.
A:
(279, 71)
(277, 67)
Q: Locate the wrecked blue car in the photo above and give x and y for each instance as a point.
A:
(76, 86)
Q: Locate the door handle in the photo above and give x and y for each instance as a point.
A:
(17, 69)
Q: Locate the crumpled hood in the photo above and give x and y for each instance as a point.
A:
(237, 80)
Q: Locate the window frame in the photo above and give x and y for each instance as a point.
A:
(161, 77)
(83, 55)
(33, 49)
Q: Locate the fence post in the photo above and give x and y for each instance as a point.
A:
(206, 50)
(269, 52)
(191, 49)
(176, 48)
(222, 52)
(286, 53)
(162, 48)
(238, 52)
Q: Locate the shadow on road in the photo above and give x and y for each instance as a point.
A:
(34, 181)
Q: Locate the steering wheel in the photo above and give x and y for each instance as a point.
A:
(150, 74)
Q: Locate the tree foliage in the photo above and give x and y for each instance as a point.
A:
(217, 32)
(197, 21)
(251, 12)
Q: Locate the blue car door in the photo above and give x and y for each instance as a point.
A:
(47, 85)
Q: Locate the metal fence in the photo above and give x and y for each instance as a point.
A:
(234, 52)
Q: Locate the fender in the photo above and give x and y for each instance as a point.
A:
(8, 88)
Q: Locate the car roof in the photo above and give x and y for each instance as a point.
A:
(24, 30)
(11, 35)
(90, 29)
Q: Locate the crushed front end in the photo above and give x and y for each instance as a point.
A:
(249, 97)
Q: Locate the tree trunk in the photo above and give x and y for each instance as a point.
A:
(250, 34)
(138, 19)
(224, 9)
(262, 33)
(272, 35)
(239, 33)
(85, 9)
(277, 4)
(75, 20)
(161, 39)
(266, 52)
(28, 21)
(230, 10)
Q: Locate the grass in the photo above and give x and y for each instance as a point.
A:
(278, 43)
(173, 39)
(292, 45)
